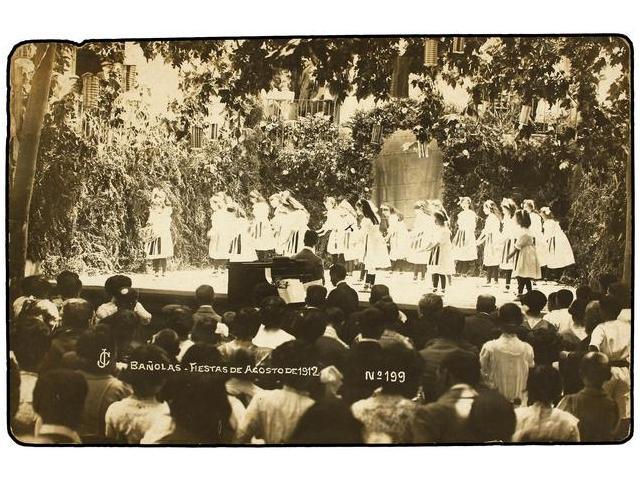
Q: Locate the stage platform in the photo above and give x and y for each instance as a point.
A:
(179, 286)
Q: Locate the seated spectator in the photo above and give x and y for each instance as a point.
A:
(200, 412)
(342, 296)
(378, 292)
(179, 319)
(389, 412)
(58, 398)
(76, 318)
(330, 348)
(540, 421)
(29, 340)
(564, 298)
(536, 331)
(98, 370)
(621, 292)
(124, 326)
(270, 333)
(314, 268)
(241, 384)
(481, 327)
(316, 297)
(68, 286)
(573, 332)
(328, 422)
(244, 326)
(392, 324)
(534, 301)
(505, 362)
(596, 412)
(113, 288)
(35, 302)
(128, 420)
(584, 293)
(204, 331)
(168, 341)
(205, 296)
(423, 328)
(613, 338)
(450, 325)
(273, 415)
(445, 421)
(365, 355)
(261, 291)
(491, 418)
(552, 302)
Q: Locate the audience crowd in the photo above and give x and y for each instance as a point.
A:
(327, 372)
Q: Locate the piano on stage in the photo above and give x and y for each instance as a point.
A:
(286, 273)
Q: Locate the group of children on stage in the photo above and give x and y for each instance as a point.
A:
(519, 242)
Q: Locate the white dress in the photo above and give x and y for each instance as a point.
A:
(510, 233)
(161, 243)
(220, 234)
(242, 248)
(375, 254)
(280, 230)
(351, 239)
(398, 241)
(419, 239)
(560, 253)
(441, 256)
(492, 252)
(261, 229)
(335, 226)
(296, 224)
(536, 231)
(464, 242)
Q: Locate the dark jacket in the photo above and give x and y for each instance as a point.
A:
(343, 297)
(364, 358)
(480, 328)
(314, 269)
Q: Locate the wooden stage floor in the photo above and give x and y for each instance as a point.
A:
(405, 292)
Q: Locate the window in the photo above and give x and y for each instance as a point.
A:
(197, 137)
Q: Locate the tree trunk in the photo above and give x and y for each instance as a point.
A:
(29, 139)
(628, 235)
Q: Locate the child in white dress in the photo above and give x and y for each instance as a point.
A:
(465, 251)
(419, 239)
(398, 240)
(560, 253)
(350, 244)
(219, 234)
(440, 250)
(242, 248)
(510, 231)
(260, 228)
(491, 239)
(375, 255)
(160, 245)
(526, 264)
(334, 226)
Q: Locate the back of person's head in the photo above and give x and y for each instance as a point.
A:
(492, 418)
(595, 369)
(592, 316)
(461, 366)
(205, 295)
(201, 354)
(403, 370)
(316, 296)
(450, 323)
(261, 291)
(168, 341)
(378, 292)
(535, 301)
(146, 381)
(310, 238)
(544, 385)
(564, 298)
(300, 357)
(245, 323)
(126, 298)
(622, 293)
(584, 293)
(204, 330)
(115, 283)
(605, 280)
(370, 322)
(30, 342)
(523, 218)
(335, 317)
(390, 312)
(90, 346)
(610, 307)
(311, 325)
(577, 309)
(77, 313)
(124, 325)
(430, 306)
(272, 311)
(328, 421)
(552, 301)
(485, 303)
(31, 286)
(178, 318)
(68, 284)
(510, 317)
(337, 272)
(58, 397)
(199, 405)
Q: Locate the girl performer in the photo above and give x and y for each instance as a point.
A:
(509, 235)
(465, 252)
(242, 248)
(350, 243)
(334, 224)
(490, 237)
(526, 264)
(375, 254)
(219, 234)
(398, 239)
(278, 221)
(440, 249)
(296, 224)
(419, 239)
(160, 247)
(260, 228)
(529, 206)
(560, 253)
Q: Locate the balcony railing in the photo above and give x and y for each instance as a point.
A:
(294, 109)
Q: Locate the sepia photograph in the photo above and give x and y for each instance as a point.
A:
(320, 240)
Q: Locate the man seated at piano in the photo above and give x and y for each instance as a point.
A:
(314, 268)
